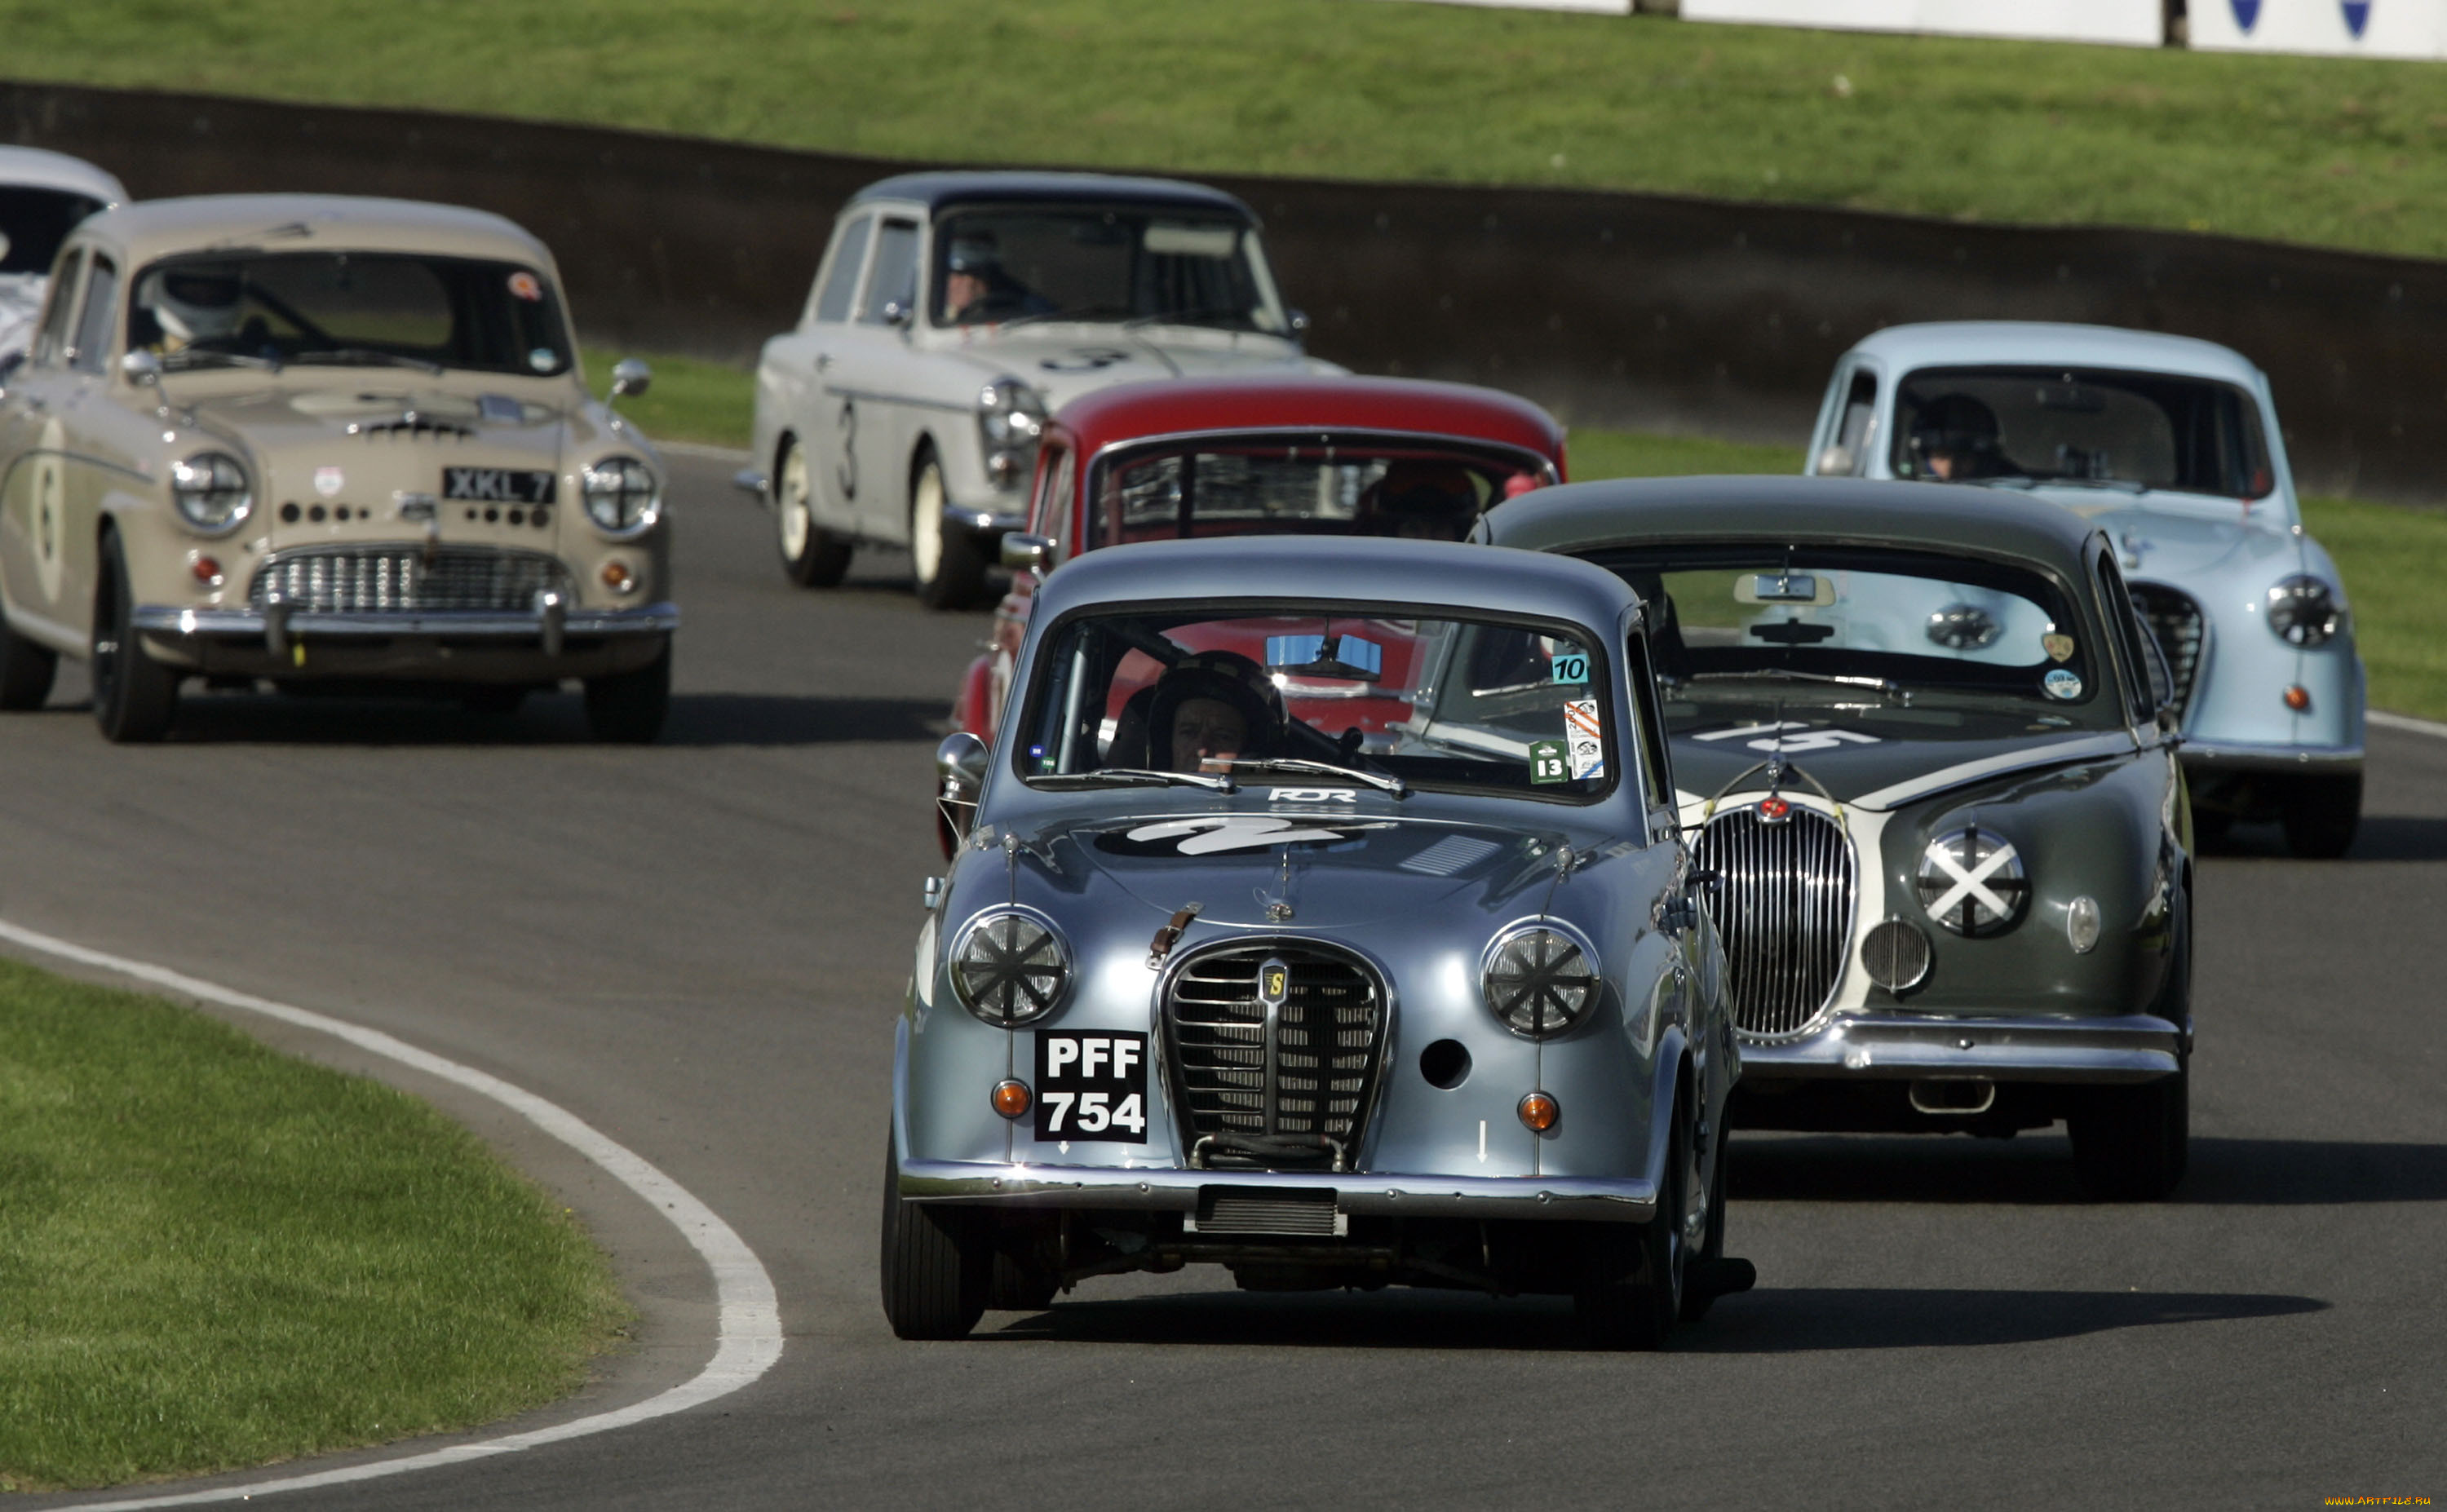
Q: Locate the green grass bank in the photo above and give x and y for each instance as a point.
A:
(2390, 556)
(2345, 152)
(213, 1256)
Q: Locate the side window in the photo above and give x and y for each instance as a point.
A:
(895, 279)
(51, 342)
(92, 345)
(1846, 454)
(2146, 680)
(841, 276)
(1656, 770)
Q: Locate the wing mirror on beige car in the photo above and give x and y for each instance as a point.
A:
(630, 376)
(141, 367)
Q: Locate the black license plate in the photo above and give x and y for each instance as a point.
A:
(497, 485)
(1091, 1086)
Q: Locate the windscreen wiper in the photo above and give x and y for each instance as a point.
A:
(1040, 317)
(1220, 783)
(1381, 780)
(364, 357)
(1203, 314)
(1881, 684)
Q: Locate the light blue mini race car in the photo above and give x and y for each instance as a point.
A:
(2172, 445)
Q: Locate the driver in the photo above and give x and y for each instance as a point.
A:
(977, 289)
(1422, 500)
(191, 306)
(1211, 708)
(1954, 440)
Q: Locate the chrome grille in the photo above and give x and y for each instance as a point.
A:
(2176, 621)
(1285, 1083)
(400, 579)
(1784, 910)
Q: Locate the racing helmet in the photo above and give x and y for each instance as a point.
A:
(1229, 678)
(192, 304)
(1957, 425)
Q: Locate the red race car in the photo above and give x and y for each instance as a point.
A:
(1262, 456)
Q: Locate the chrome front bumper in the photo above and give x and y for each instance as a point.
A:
(2252, 756)
(2138, 1048)
(1370, 1194)
(546, 624)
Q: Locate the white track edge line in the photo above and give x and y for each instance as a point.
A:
(2406, 723)
(749, 1340)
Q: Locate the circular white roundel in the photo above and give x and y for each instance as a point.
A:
(1971, 881)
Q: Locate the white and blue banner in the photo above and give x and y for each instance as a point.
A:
(2381, 29)
(2136, 23)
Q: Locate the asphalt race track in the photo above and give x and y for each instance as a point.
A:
(698, 948)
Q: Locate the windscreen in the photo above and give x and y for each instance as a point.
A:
(1102, 263)
(1298, 485)
(33, 222)
(1752, 630)
(2128, 431)
(1461, 703)
(348, 308)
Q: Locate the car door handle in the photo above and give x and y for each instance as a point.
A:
(823, 360)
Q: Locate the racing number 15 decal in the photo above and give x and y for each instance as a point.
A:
(1092, 1087)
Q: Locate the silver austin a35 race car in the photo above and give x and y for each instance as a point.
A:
(322, 440)
(1211, 982)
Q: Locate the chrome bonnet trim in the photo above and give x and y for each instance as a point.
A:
(1368, 1194)
(164, 619)
(2134, 1048)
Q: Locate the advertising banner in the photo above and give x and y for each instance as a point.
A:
(2136, 23)
(2381, 29)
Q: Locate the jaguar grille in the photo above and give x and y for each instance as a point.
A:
(2176, 621)
(378, 580)
(1274, 1052)
(1784, 907)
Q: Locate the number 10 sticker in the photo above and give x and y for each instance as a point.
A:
(1571, 667)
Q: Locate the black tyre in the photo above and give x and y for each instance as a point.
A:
(946, 565)
(630, 708)
(2322, 814)
(812, 556)
(1698, 1299)
(134, 697)
(26, 669)
(936, 1264)
(495, 699)
(1631, 1291)
(2131, 1144)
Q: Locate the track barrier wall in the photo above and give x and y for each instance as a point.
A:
(1655, 311)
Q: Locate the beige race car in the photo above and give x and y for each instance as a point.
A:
(323, 441)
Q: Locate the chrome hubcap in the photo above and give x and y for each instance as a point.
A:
(926, 524)
(792, 517)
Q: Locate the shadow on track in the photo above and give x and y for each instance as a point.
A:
(2382, 837)
(546, 719)
(1763, 1322)
(2037, 1168)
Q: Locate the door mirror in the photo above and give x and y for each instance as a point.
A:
(141, 367)
(897, 313)
(960, 778)
(630, 376)
(1026, 553)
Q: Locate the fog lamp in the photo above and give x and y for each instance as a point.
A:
(1540, 1112)
(1010, 1099)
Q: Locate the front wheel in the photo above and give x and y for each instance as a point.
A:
(2322, 814)
(937, 1265)
(134, 696)
(2131, 1144)
(812, 556)
(630, 708)
(945, 565)
(1698, 1299)
(1631, 1288)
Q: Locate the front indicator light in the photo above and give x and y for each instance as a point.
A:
(2081, 925)
(207, 570)
(1540, 1112)
(618, 576)
(1010, 1099)
(2298, 698)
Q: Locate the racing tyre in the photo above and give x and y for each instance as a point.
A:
(26, 669)
(134, 696)
(1630, 1293)
(947, 566)
(2322, 814)
(812, 556)
(2131, 1144)
(1697, 1299)
(1018, 1286)
(936, 1264)
(630, 708)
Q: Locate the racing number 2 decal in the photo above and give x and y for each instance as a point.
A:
(1091, 1086)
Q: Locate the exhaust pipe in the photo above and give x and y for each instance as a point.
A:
(1954, 1096)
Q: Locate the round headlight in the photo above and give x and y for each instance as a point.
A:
(1971, 881)
(2303, 611)
(212, 492)
(621, 497)
(1009, 968)
(1539, 983)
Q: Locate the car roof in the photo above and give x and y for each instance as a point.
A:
(1346, 570)
(2021, 342)
(1580, 518)
(159, 228)
(1171, 407)
(937, 191)
(41, 168)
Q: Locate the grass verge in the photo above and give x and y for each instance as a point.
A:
(215, 1256)
(2344, 151)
